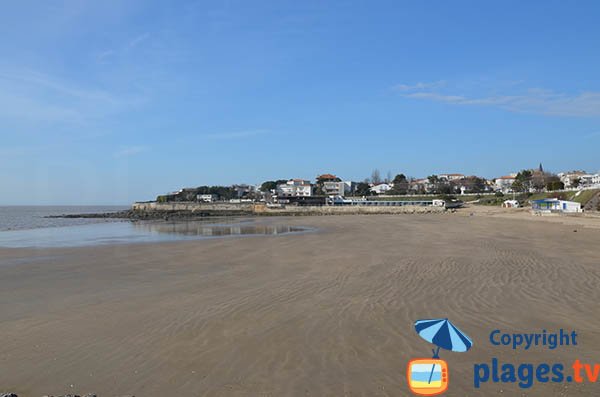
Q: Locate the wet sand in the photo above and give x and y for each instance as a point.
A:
(318, 314)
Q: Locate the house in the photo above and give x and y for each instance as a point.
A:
(295, 188)
(589, 180)
(207, 198)
(504, 183)
(555, 205)
(243, 190)
(381, 188)
(422, 185)
(451, 177)
(569, 178)
(327, 178)
(334, 188)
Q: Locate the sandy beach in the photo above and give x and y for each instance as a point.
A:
(327, 313)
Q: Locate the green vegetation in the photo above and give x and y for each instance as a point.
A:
(400, 185)
(524, 198)
(363, 189)
(583, 197)
(271, 185)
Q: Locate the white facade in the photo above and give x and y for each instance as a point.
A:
(382, 188)
(568, 178)
(206, 198)
(295, 188)
(451, 177)
(555, 205)
(334, 188)
(504, 183)
(349, 186)
(589, 180)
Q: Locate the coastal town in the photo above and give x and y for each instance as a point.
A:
(542, 191)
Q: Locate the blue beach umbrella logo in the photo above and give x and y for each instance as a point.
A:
(443, 334)
(428, 377)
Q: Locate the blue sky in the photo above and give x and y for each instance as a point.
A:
(110, 102)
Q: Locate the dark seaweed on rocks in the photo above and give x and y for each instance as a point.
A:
(153, 215)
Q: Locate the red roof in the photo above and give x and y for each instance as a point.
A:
(327, 176)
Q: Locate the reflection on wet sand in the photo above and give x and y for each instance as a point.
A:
(139, 232)
(202, 229)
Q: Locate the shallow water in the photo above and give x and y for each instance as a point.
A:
(126, 232)
(33, 217)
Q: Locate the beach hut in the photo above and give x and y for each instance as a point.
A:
(549, 205)
(510, 204)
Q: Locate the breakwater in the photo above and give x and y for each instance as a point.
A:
(227, 209)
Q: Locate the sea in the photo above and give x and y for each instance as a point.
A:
(32, 227)
(35, 217)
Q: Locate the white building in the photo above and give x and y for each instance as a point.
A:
(589, 180)
(504, 183)
(569, 178)
(555, 205)
(207, 198)
(295, 188)
(334, 188)
(451, 177)
(381, 188)
(349, 186)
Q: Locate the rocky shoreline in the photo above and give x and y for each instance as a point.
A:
(154, 215)
(197, 212)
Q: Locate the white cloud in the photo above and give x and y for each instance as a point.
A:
(538, 101)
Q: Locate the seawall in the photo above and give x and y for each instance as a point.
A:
(261, 209)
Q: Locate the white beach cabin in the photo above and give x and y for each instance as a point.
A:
(510, 204)
(555, 205)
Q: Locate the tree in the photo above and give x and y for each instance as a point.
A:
(267, 186)
(433, 179)
(375, 177)
(538, 180)
(518, 186)
(553, 182)
(522, 181)
(474, 184)
(575, 182)
(400, 184)
(363, 189)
